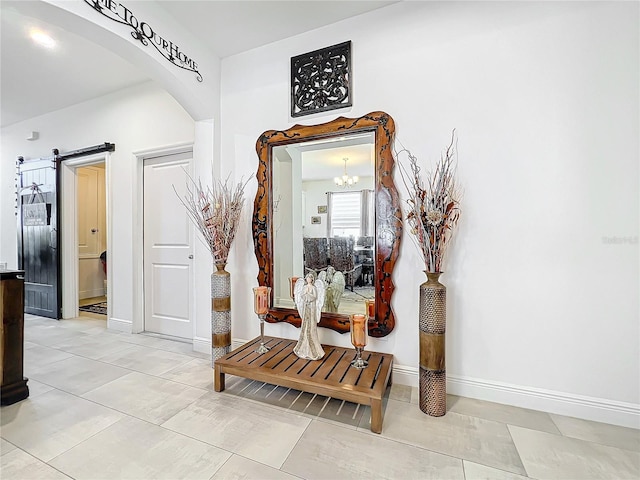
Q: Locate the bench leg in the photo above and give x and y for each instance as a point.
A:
(218, 379)
(376, 416)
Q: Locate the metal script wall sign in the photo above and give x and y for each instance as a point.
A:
(144, 33)
(321, 80)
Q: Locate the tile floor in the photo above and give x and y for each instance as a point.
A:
(106, 405)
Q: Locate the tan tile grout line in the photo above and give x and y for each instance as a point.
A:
(127, 368)
(125, 416)
(41, 461)
(294, 447)
(517, 451)
(277, 408)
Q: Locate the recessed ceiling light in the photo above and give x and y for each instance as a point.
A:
(42, 39)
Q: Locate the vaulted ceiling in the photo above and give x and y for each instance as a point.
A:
(36, 80)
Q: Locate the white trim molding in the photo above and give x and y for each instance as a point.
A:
(590, 408)
(403, 375)
(202, 345)
(96, 292)
(119, 325)
(237, 342)
(597, 409)
(139, 156)
(560, 403)
(69, 264)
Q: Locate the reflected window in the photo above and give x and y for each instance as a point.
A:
(344, 214)
(351, 214)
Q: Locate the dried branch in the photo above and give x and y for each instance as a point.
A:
(215, 211)
(433, 206)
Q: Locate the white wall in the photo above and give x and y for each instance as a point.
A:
(283, 224)
(137, 118)
(542, 303)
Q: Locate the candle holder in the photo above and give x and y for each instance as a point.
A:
(261, 303)
(292, 287)
(358, 324)
(371, 308)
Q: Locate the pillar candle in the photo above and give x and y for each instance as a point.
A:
(358, 330)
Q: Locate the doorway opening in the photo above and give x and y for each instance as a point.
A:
(91, 208)
(85, 199)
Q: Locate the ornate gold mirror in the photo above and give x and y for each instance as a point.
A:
(327, 203)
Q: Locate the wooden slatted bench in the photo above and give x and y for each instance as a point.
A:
(331, 376)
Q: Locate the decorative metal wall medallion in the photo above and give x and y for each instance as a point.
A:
(144, 33)
(321, 80)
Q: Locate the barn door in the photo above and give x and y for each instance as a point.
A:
(38, 252)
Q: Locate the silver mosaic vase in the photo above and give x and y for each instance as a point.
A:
(433, 322)
(220, 312)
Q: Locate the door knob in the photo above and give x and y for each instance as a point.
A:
(94, 230)
(191, 257)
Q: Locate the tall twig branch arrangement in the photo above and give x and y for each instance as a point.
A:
(215, 211)
(433, 206)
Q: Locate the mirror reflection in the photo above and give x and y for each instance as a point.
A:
(324, 219)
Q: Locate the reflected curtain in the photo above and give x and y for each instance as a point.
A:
(329, 208)
(364, 216)
(367, 213)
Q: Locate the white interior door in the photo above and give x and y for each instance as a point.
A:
(88, 239)
(168, 250)
(92, 230)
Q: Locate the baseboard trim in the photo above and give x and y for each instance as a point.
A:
(119, 325)
(202, 345)
(403, 375)
(561, 403)
(97, 292)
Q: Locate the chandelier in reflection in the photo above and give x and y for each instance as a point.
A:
(345, 181)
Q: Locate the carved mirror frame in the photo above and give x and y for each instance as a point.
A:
(388, 229)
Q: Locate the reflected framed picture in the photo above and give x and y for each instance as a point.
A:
(316, 220)
(322, 209)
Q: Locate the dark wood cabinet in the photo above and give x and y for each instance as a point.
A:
(14, 385)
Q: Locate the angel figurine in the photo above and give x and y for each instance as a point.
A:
(335, 283)
(309, 297)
